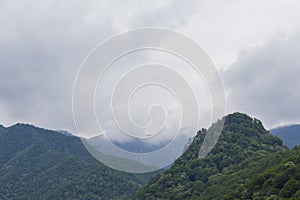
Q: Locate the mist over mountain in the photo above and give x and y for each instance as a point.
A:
(135, 145)
(247, 163)
(151, 82)
(128, 149)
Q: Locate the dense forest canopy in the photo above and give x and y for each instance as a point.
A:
(247, 163)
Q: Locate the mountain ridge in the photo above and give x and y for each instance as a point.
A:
(37, 163)
(244, 142)
(246, 163)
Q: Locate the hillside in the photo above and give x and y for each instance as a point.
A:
(42, 164)
(246, 163)
(290, 135)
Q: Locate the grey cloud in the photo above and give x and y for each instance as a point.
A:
(42, 44)
(265, 82)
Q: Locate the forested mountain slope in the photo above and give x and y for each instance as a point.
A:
(246, 163)
(42, 164)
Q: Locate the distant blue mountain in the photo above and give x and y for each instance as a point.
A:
(134, 146)
(290, 135)
(130, 148)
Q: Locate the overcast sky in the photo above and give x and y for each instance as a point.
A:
(255, 45)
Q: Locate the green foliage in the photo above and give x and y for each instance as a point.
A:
(246, 163)
(42, 164)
